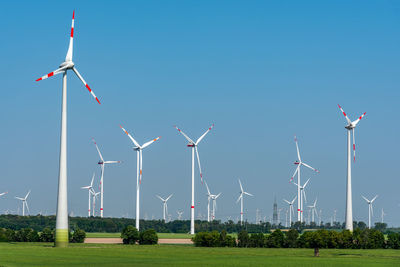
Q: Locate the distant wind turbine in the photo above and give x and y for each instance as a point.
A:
(351, 126)
(313, 209)
(291, 210)
(90, 191)
(242, 193)
(165, 206)
(212, 198)
(302, 195)
(24, 203)
(370, 209)
(194, 145)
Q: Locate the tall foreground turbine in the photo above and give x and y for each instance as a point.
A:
(349, 202)
(291, 211)
(299, 163)
(139, 171)
(165, 206)
(61, 238)
(242, 192)
(194, 145)
(370, 209)
(102, 164)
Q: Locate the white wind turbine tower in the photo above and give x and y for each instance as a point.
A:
(94, 194)
(299, 163)
(214, 204)
(302, 196)
(370, 209)
(139, 170)
(165, 205)
(90, 191)
(179, 214)
(314, 211)
(382, 215)
(242, 192)
(194, 145)
(291, 210)
(62, 200)
(24, 202)
(102, 164)
(349, 202)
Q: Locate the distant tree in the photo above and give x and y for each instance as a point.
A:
(380, 226)
(346, 239)
(148, 237)
(275, 239)
(243, 239)
(304, 240)
(257, 240)
(393, 240)
(317, 241)
(207, 239)
(130, 235)
(226, 240)
(291, 237)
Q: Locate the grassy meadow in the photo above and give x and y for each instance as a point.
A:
(39, 254)
(160, 235)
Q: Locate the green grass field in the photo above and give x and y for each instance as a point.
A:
(39, 254)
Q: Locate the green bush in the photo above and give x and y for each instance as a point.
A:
(243, 239)
(10, 234)
(26, 235)
(47, 235)
(393, 240)
(207, 239)
(78, 236)
(275, 239)
(148, 237)
(291, 237)
(130, 235)
(226, 240)
(257, 240)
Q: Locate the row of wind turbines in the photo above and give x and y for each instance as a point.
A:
(62, 206)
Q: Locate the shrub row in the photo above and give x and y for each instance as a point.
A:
(358, 239)
(130, 235)
(30, 235)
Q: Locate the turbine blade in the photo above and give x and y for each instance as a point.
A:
(374, 198)
(308, 166)
(208, 190)
(248, 194)
(112, 161)
(86, 85)
(198, 161)
(347, 118)
(204, 134)
(169, 197)
(91, 183)
(57, 71)
(98, 150)
(297, 147)
(150, 142)
(365, 198)
(218, 195)
(304, 195)
(160, 198)
(286, 201)
(20, 198)
(359, 118)
(304, 186)
(71, 40)
(27, 194)
(294, 199)
(295, 172)
(187, 137)
(240, 196)
(241, 187)
(133, 140)
(26, 204)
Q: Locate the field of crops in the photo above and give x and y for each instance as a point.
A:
(39, 254)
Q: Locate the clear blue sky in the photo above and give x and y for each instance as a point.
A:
(261, 71)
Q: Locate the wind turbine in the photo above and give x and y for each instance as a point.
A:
(61, 238)
(242, 192)
(24, 202)
(370, 209)
(299, 163)
(94, 194)
(302, 195)
(291, 210)
(139, 171)
(102, 164)
(194, 145)
(179, 214)
(313, 209)
(90, 191)
(351, 126)
(214, 204)
(165, 205)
